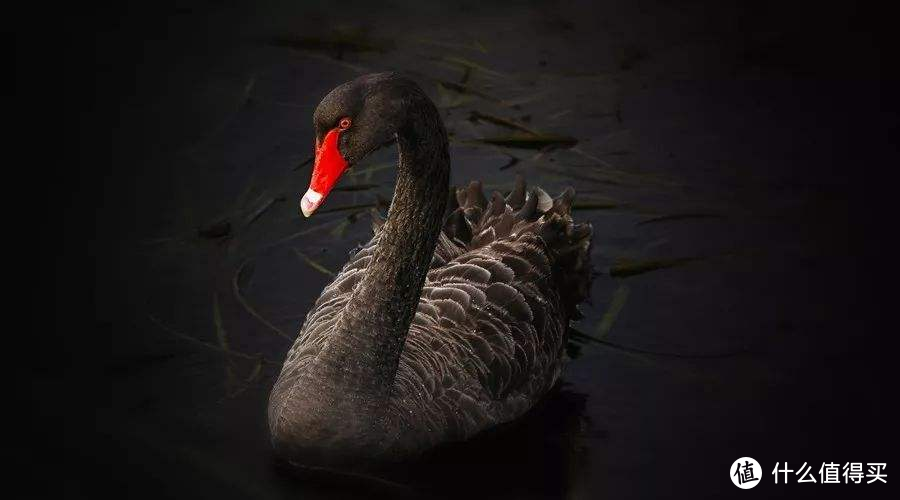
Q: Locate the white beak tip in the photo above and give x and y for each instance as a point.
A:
(310, 202)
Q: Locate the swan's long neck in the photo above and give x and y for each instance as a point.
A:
(360, 360)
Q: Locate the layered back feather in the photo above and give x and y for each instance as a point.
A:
(475, 222)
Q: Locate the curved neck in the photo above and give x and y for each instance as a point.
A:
(361, 357)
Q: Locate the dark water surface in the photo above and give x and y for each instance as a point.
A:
(725, 158)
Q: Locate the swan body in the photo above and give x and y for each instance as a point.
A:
(450, 320)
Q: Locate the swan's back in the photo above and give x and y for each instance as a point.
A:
(488, 337)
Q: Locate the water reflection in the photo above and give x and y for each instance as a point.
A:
(537, 456)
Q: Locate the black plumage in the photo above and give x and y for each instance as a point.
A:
(452, 319)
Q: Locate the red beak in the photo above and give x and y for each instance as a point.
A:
(329, 166)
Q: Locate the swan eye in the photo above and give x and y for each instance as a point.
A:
(344, 124)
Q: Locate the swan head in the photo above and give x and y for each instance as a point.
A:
(352, 121)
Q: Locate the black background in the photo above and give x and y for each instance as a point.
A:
(77, 69)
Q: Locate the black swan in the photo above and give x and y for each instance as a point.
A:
(451, 320)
